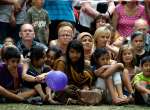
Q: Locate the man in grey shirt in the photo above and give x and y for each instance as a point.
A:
(27, 35)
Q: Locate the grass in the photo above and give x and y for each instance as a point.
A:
(72, 107)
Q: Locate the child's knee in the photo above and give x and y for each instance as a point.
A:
(117, 78)
(1, 89)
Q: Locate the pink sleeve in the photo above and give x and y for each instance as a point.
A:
(119, 9)
(143, 13)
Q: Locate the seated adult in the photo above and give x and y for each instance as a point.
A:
(142, 25)
(27, 35)
(88, 44)
(65, 35)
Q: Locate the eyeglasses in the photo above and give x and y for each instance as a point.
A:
(65, 35)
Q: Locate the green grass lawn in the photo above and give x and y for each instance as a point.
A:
(72, 107)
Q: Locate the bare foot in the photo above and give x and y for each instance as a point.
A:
(119, 101)
(125, 98)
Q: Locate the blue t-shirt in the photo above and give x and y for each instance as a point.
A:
(60, 10)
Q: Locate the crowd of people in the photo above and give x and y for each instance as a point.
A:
(103, 46)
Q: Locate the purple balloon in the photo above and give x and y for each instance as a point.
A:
(56, 80)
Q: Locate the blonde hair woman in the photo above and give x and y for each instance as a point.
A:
(102, 39)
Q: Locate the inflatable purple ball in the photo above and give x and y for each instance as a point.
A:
(56, 80)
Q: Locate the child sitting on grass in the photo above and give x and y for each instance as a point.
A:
(52, 54)
(36, 68)
(108, 74)
(11, 75)
(141, 82)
